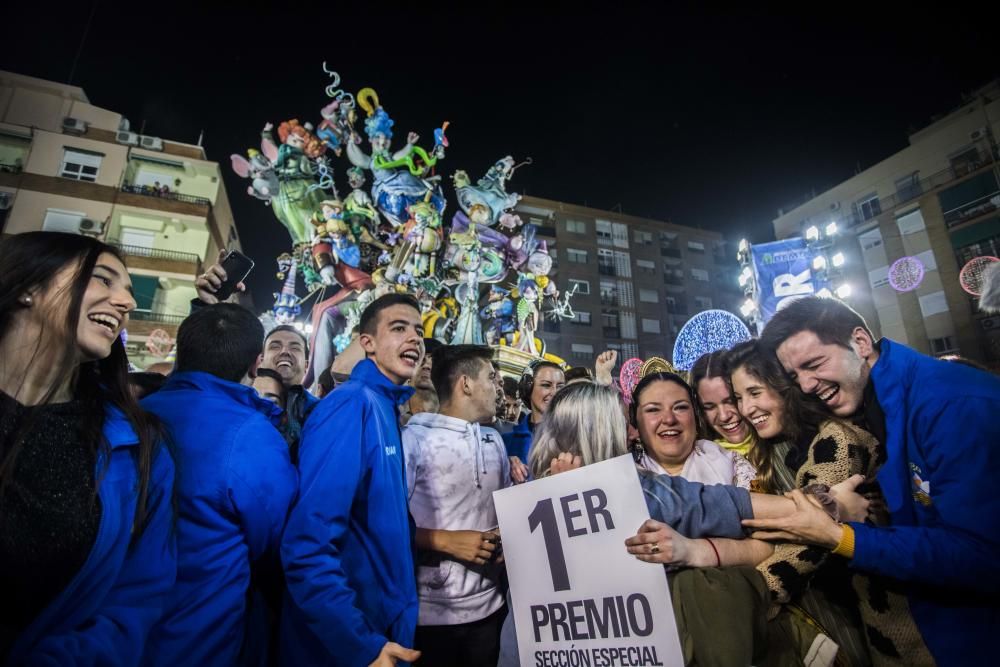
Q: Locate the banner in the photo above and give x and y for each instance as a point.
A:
(783, 272)
(579, 598)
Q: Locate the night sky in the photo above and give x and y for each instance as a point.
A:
(706, 120)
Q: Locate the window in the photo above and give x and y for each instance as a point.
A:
(606, 262)
(581, 317)
(943, 345)
(696, 246)
(576, 256)
(627, 325)
(869, 207)
(645, 265)
(582, 350)
(650, 326)
(609, 293)
(870, 240)
(702, 303)
(602, 228)
(626, 298)
(582, 286)
(676, 305)
(62, 221)
(699, 274)
(137, 241)
(619, 235)
(623, 264)
(649, 296)
(672, 276)
(642, 238)
(609, 322)
(576, 226)
(80, 165)
(965, 162)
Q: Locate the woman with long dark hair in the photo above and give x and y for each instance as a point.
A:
(716, 404)
(86, 544)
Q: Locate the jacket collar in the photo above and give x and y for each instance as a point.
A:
(118, 429)
(368, 374)
(208, 383)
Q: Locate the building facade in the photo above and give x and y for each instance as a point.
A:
(636, 280)
(935, 204)
(69, 166)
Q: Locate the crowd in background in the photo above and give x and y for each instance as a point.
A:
(818, 496)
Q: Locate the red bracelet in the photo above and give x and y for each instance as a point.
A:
(718, 560)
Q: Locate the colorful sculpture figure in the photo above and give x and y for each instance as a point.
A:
(527, 316)
(286, 304)
(416, 256)
(260, 170)
(394, 189)
(489, 192)
(499, 315)
(295, 167)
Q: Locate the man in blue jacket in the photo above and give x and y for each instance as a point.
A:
(235, 483)
(348, 546)
(937, 422)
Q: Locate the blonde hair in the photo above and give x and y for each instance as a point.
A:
(584, 419)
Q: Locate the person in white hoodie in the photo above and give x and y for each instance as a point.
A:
(453, 466)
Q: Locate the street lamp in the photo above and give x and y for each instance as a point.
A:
(819, 263)
(838, 260)
(812, 234)
(748, 307)
(831, 229)
(745, 276)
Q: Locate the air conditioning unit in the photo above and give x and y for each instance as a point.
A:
(835, 206)
(91, 227)
(990, 323)
(74, 125)
(151, 143)
(978, 134)
(127, 138)
(6, 200)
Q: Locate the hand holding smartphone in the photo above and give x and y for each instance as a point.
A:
(222, 279)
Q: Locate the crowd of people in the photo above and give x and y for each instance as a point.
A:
(817, 496)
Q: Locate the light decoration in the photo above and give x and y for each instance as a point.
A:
(838, 260)
(971, 275)
(812, 234)
(745, 276)
(906, 274)
(819, 263)
(748, 307)
(628, 377)
(843, 291)
(708, 331)
(831, 229)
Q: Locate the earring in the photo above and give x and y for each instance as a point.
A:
(26, 300)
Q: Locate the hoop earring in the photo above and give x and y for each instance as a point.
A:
(26, 300)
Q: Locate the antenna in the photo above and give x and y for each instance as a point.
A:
(83, 40)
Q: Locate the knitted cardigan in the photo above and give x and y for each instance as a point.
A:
(838, 451)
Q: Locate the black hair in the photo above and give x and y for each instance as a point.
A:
(325, 382)
(578, 373)
(509, 387)
(223, 339)
(832, 320)
(274, 375)
(453, 361)
(29, 262)
(369, 317)
(144, 383)
(288, 327)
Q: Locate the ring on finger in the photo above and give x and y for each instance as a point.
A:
(654, 548)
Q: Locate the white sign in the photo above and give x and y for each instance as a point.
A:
(579, 597)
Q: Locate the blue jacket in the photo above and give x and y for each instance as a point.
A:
(347, 550)
(235, 483)
(939, 481)
(518, 439)
(105, 614)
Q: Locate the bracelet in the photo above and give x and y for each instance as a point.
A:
(845, 547)
(718, 560)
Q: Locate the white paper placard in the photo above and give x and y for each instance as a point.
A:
(579, 598)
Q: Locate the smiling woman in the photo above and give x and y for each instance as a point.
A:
(86, 555)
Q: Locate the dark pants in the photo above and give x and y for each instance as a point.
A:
(475, 644)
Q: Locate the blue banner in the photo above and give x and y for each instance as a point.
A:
(783, 272)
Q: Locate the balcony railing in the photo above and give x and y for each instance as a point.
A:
(149, 191)
(972, 209)
(171, 255)
(144, 315)
(918, 188)
(11, 167)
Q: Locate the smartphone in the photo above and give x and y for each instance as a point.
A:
(237, 267)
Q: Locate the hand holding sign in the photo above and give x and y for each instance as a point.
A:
(578, 597)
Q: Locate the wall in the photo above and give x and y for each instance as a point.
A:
(48, 149)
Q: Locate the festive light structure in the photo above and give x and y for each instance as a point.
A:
(708, 331)
(971, 275)
(906, 274)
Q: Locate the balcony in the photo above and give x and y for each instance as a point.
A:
(670, 252)
(172, 202)
(160, 261)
